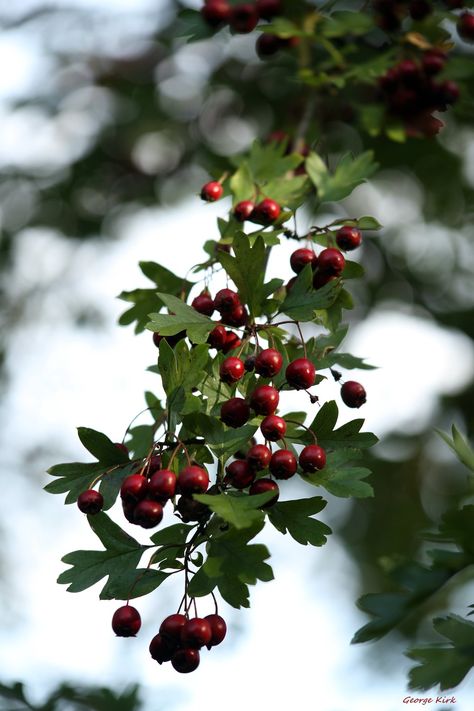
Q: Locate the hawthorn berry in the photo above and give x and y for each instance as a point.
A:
(433, 62)
(210, 192)
(218, 629)
(348, 238)
(171, 627)
(465, 26)
(266, 212)
(232, 369)
(353, 394)
(235, 412)
(232, 341)
(193, 480)
(273, 428)
(264, 400)
(192, 510)
(134, 488)
(196, 633)
(261, 486)
(90, 502)
(243, 210)
(226, 300)
(300, 374)
(161, 649)
(331, 261)
(217, 338)
(301, 257)
(128, 508)
(267, 9)
(268, 363)
(126, 621)
(283, 464)
(162, 485)
(239, 474)
(243, 18)
(148, 514)
(268, 45)
(172, 341)
(204, 304)
(258, 456)
(185, 660)
(216, 12)
(312, 458)
(237, 317)
(320, 279)
(154, 464)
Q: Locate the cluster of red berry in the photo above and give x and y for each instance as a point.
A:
(391, 13)
(264, 213)
(243, 17)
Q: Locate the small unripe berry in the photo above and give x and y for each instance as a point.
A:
(353, 394)
(90, 502)
(264, 400)
(193, 480)
(126, 621)
(301, 257)
(312, 458)
(348, 238)
(210, 192)
(283, 464)
(273, 428)
(301, 374)
(235, 412)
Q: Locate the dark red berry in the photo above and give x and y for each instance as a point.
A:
(267, 45)
(264, 400)
(126, 621)
(267, 9)
(210, 192)
(448, 92)
(433, 62)
(301, 257)
(237, 317)
(161, 649)
(192, 510)
(268, 362)
(185, 660)
(300, 374)
(273, 428)
(232, 341)
(353, 394)
(193, 480)
(172, 341)
(204, 304)
(218, 629)
(232, 369)
(90, 502)
(134, 488)
(154, 464)
(171, 627)
(123, 447)
(235, 412)
(348, 238)
(148, 514)
(261, 486)
(216, 12)
(258, 456)
(331, 261)
(283, 464)
(196, 633)
(239, 474)
(217, 338)
(312, 458)
(162, 485)
(243, 18)
(249, 363)
(226, 300)
(129, 510)
(266, 212)
(243, 210)
(290, 284)
(320, 279)
(465, 26)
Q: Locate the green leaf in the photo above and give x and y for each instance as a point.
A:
(460, 447)
(353, 270)
(295, 517)
(348, 435)
(221, 440)
(183, 318)
(340, 479)
(302, 301)
(346, 360)
(132, 583)
(240, 510)
(101, 447)
(192, 26)
(242, 185)
(343, 23)
(368, 223)
(111, 482)
(350, 173)
(247, 271)
(73, 479)
(174, 534)
(181, 366)
(140, 440)
(289, 191)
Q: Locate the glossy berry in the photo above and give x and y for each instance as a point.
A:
(204, 304)
(348, 238)
(185, 660)
(210, 192)
(268, 362)
(273, 428)
(123, 447)
(218, 629)
(162, 485)
(128, 508)
(266, 212)
(264, 400)
(226, 300)
(154, 464)
(232, 341)
(300, 374)
(249, 363)
(267, 9)
(171, 627)
(134, 488)
(161, 649)
(258, 456)
(170, 340)
(232, 370)
(243, 18)
(90, 502)
(353, 394)
(237, 316)
(301, 257)
(243, 210)
(217, 338)
(235, 412)
(193, 480)
(239, 474)
(465, 26)
(261, 486)
(312, 458)
(148, 514)
(216, 12)
(283, 464)
(192, 510)
(196, 633)
(331, 261)
(126, 621)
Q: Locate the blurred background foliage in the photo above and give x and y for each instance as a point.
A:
(121, 113)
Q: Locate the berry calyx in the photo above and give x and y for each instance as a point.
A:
(266, 212)
(171, 627)
(268, 362)
(148, 514)
(162, 485)
(258, 456)
(264, 400)
(226, 300)
(239, 474)
(283, 464)
(353, 394)
(331, 261)
(210, 192)
(300, 374)
(216, 12)
(348, 238)
(273, 428)
(243, 210)
(161, 649)
(465, 26)
(196, 633)
(235, 412)
(261, 486)
(134, 488)
(185, 660)
(126, 621)
(301, 257)
(90, 502)
(312, 458)
(193, 480)
(243, 18)
(204, 304)
(217, 338)
(218, 629)
(232, 370)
